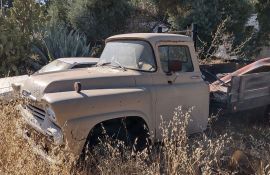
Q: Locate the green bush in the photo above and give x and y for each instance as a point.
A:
(58, 10)
(263, 12)
(18, 29)
(99, 19)
(59, 42)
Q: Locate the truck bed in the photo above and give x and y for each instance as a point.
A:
(242, 93)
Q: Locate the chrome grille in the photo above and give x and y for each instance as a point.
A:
(36, 111)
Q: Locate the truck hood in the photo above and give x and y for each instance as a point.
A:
(90, 78)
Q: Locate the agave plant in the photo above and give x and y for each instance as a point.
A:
(59, 42)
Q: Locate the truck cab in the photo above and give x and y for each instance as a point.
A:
(141, 77)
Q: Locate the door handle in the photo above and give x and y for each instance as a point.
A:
(195, 77)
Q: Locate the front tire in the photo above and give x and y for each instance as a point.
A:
(131, 132)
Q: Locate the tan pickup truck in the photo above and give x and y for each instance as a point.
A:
(139, 78)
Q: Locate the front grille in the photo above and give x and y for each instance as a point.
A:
(36, 111)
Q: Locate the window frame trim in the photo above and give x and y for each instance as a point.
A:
(175, 44)
(136, 39)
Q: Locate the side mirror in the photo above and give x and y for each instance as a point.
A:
(174, 66)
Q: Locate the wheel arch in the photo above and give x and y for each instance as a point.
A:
(77, 131)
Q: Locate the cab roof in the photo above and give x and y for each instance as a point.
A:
(152, 37)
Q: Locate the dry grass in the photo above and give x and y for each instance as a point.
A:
(16, 155)
(208, 153)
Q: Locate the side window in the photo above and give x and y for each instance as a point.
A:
(82, 66)
(172, 52)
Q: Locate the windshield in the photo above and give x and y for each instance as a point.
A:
(136, 55)
(55, 65)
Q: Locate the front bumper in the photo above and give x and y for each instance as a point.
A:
(41, 135)
(44, 126)
(39, 149)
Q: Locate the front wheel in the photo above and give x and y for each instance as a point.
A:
(125, 133)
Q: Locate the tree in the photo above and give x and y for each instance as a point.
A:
(261, 36)
(173, 7)
(99, 19)
(58, 10)
(144, 16)
(17, 32)
(7, 3)
(263, 12)
(209, 14)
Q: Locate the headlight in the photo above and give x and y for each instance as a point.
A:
(50, 113)
(16, 87)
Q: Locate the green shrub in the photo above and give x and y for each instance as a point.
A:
(58, 10)
(17, 31)
(99, 19)
(59, 42)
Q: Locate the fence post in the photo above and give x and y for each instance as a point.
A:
(159, 30)
(194, 28)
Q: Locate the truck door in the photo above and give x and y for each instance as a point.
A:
(184, 88)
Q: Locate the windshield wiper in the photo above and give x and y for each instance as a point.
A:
(119, 65)
(104, 64)
(110, 63)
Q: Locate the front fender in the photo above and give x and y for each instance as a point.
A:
(78, 113)
(77, 130)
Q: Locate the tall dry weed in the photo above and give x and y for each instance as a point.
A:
(177, 153)
(16, 155)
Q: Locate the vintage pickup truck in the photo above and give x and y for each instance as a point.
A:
(139, 78)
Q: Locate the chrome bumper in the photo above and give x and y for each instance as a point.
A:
(37, 149)
(52, 133)
(46, 126)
